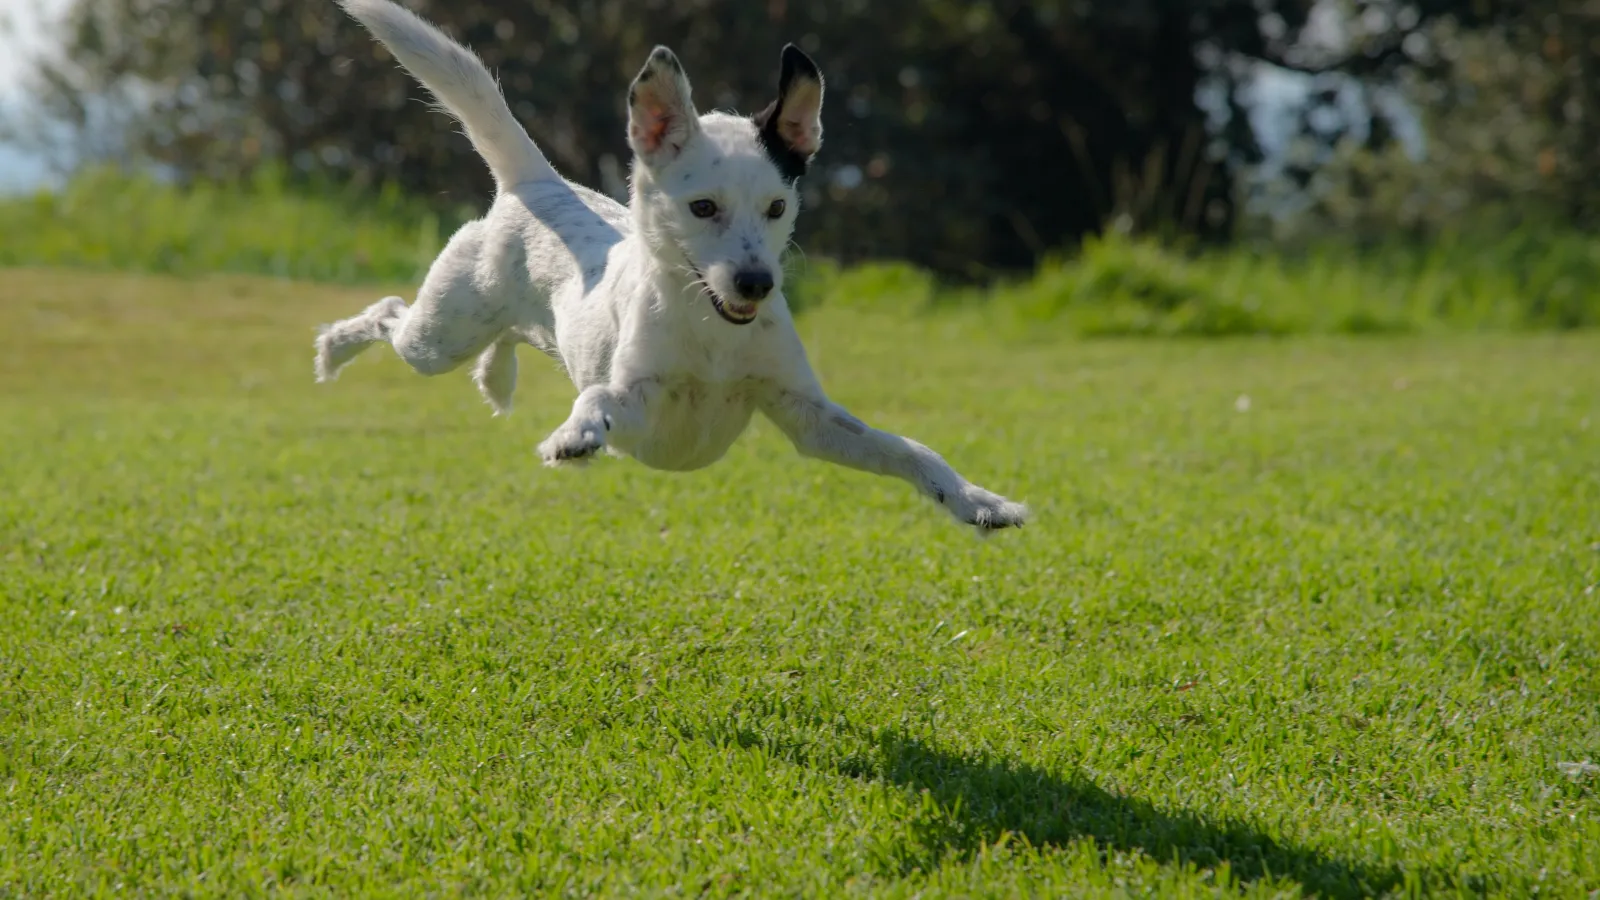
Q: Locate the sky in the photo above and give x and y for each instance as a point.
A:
(22, 37)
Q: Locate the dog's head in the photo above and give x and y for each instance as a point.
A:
(715, 194)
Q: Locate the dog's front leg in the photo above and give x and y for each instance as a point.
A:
(825, 430)
(601, 413)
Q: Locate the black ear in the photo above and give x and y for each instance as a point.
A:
(791, 126)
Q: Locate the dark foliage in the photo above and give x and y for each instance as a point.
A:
(967, 137)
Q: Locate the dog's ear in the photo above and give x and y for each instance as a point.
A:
(791, 126)
(661, 117)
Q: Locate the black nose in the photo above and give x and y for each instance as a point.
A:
(753, 285)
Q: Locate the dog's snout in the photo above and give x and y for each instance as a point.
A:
(753, 284)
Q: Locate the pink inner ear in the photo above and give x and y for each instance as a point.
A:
(800, 119)
(802, 133)
(650, 125)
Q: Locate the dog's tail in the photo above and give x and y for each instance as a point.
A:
(462, 85)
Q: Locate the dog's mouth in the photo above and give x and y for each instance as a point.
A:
(738, 312)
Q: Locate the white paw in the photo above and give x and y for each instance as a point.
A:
(984, 510)
(572, 443)
(332, 355)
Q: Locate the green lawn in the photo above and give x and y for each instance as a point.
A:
(1308, 615)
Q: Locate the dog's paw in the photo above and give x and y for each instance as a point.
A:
(331, 357)
(986, 511)
(571, 444)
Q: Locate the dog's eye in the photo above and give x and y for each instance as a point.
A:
(703, 209)
(775, 211)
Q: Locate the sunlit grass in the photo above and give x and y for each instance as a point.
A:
(1312, 615)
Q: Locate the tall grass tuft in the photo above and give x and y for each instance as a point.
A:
(1114, 285)
(1123, 286)
(111, 220)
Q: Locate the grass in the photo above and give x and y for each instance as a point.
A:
(110, 221)
(1528, 279)
(1305, 616)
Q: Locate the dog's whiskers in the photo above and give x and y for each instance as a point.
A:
(696, 280)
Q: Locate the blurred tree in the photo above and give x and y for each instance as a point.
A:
(968, 137)
(1510, 103)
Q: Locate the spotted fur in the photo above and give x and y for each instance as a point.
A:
(646, 306)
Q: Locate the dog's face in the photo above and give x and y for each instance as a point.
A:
(716, 194)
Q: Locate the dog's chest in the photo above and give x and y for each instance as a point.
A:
(693, 421)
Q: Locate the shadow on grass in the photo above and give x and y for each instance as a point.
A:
(981, 799)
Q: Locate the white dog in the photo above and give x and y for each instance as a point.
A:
(668, 314)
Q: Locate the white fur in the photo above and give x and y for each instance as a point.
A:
(626, 298)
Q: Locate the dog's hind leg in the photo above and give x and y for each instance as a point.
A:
(496, 374)
(460, 311)
(342, 341)
(461, 307)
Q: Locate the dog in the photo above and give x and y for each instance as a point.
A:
(668, 314)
